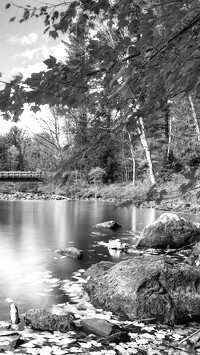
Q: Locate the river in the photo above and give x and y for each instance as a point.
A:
(30, 233)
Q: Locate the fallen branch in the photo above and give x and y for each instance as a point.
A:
(145, 319)
(4, 334)
(140, 320)
(188, 337)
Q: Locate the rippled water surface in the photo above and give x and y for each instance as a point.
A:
(31, 272)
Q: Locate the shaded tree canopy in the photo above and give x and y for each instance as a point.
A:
(140, 53)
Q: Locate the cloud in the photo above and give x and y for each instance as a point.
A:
(31, 38)
(24, 40)
(58, 51)
(39, 54)
(34, 68)
(43, 52)
(29, 53)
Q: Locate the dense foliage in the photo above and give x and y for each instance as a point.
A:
(130, 68)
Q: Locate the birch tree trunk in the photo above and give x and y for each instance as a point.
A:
(133, 157)
(169, 137)
(141, 131)
(169, 145)
(194, 117)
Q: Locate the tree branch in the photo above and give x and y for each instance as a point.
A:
(39, 8)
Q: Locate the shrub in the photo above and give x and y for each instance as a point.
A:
(96, 175)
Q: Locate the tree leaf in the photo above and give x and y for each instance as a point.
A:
(35, 109)
(50, 62)
(43, 10)
(46, 21)
(12, 19)
(33, 11)
(46, 29)
(26, 14)
(53, 34)
(7, 6)
(55, 15)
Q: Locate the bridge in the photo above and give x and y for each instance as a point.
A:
(25, 175)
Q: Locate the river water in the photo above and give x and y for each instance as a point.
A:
(30, 233)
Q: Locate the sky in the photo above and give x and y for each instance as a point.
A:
(23, 48)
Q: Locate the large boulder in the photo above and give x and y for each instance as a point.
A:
(146, 287)
(40, 319)
(169, 230)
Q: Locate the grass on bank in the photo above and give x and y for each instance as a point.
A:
(179, 188)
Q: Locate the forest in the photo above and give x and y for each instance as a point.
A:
(127, 94)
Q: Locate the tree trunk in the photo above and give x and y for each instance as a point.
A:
(169, 145)
(167, 123)
(141, 131)
(194, 117)
(132, 157)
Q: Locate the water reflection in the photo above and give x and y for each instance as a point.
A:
(142, 217)
(114, 253)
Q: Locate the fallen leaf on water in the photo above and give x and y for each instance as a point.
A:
(9, 300)
(177, 336)
(152, 351)
(142, 341)
(30, 344)
(160, 335)
(148, 336)
(86, 345)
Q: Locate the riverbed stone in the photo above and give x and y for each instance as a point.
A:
(151, 286)
(43, 320)
(169, 230)
(108, 225)
(71, 252)
(9, 341)
(99, 326)
(118, 245)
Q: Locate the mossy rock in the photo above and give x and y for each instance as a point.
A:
(146, 287)
(169, 230)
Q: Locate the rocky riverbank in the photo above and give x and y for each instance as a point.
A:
(135, 302)
(26, 196)
(97, 332)
(177, 195)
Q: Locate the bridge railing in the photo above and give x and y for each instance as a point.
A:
(24, 174)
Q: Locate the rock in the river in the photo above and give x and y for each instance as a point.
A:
(14, 314)
(116, 244)
(146, 287)
(71, 252)
(9, 341)
(99, 326)
(119, 337)
(108, 225)
(40, 319)
(169, 230)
